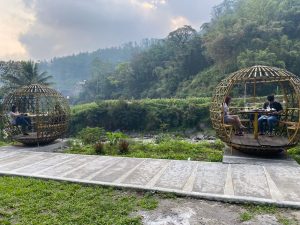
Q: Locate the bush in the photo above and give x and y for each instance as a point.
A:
(75, 144)
(162, 137)
(99, 148)
(91, 135)
(114, 137)
(145, 114)
(123, 147)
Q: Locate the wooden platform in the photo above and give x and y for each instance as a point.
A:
(33, 138)
(262, 141)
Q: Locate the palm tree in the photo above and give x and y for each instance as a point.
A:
(25, 73)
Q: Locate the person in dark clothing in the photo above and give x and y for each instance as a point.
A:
(17, 118)
(272, 118)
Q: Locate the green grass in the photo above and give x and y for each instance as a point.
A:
(245, 216)
(2, 143)
(250, 211)
(32, 201)
(295, 153)
(170, 149)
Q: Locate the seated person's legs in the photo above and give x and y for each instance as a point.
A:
(272, 120)
(231, 119)
(261, 125)
(28, 121)
(238, 122)
(20, 120)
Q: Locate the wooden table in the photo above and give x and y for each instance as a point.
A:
(256, 112)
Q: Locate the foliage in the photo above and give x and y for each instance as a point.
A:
(99, 147)
(250, 211)
(123, 146)
(31, 201)
(241, 33)
(94, 67)
(162, 137)
(146, 114)
(245, 216)
(158, 71)
(23, 73)
(295, 153)
(248, 32)
(91, 135)
(114, 137)
(168, 149)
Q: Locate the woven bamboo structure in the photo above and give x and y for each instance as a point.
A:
(47, 110)
(249, 86)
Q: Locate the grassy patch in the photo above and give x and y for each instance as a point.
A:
(4, 143)
(286, 221)
(169, 149)
(31, 201)
(245, 216)
(295, 153)
(250, 211)
(261, 209)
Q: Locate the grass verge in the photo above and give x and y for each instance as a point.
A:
(32, 201)
(295, 153)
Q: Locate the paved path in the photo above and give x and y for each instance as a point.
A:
(274, 183)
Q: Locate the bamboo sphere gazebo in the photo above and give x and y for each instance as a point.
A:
(47, 110)
(248, 88)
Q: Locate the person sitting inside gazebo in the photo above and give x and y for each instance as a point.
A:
(232, 119)
(273, 118)
(17, 119)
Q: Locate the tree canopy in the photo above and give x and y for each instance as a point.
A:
(15, 75)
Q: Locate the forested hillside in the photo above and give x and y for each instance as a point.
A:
(187, 62)
(71, 70)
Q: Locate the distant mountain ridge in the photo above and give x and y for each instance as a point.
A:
(69, 71)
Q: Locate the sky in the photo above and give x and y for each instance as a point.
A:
(43, 29)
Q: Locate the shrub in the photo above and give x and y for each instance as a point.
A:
(99, 147)
(163, 137)
(75, 144)
(123, 146)
(114, 137)
(91, 135)
(145, 114)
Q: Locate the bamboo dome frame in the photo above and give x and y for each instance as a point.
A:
(47, 109)
(290, 85)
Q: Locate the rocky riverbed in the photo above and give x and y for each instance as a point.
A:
(191, 137)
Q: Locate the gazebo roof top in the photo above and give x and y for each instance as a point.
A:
(261, 74)
(37, 89)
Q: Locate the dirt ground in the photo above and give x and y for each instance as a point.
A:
(185, 211)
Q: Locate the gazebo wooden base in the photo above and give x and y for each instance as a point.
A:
(264, 145)
(33, 139)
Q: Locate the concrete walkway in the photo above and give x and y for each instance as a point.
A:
(273, 183)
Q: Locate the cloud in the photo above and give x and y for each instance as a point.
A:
(15, 19)
(72, 26)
